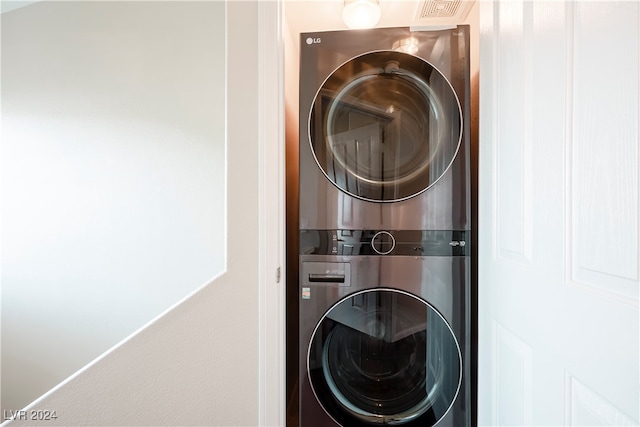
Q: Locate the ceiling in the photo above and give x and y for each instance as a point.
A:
(307, 16)
(319, 15)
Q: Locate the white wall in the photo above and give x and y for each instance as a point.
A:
(215, 359)
(113, 169)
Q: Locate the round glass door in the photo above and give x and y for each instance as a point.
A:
(384, 356)
(385, 126)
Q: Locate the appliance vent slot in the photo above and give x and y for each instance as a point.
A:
(439, 9)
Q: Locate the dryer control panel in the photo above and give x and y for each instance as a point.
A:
(385, 242)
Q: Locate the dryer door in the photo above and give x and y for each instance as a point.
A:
(385, 126)
(384, 356)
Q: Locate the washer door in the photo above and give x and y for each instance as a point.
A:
(385, 126)
(384, 356)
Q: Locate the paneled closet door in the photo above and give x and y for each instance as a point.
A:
(558, 213)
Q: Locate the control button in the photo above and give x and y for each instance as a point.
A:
(345, 249)
(383, 242)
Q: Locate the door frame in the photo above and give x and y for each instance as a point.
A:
(271, 286)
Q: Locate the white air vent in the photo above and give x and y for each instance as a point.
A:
(444, 9)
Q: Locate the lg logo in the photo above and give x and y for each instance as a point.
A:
(313, 40)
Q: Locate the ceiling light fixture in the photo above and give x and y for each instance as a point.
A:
(359, 14)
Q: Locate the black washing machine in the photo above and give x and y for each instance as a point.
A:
(384, 205)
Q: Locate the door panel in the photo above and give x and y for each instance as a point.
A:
(513, 174)
(384, 356)
(604, 223)
(558, 213)
(385, 126)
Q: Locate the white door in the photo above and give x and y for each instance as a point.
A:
(558, 213)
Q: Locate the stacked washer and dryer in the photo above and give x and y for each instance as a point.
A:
(384, 262)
